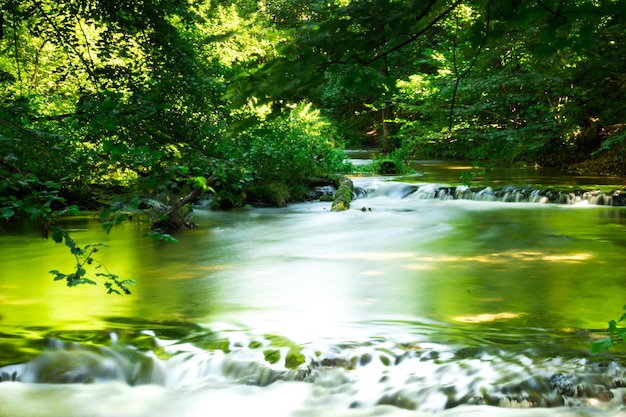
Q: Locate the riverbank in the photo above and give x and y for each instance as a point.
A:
(607, 163)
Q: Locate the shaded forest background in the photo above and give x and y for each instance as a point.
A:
(122, 105)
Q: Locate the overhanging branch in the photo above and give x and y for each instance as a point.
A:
(417, 35)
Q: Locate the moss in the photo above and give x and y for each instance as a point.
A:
(388, 167)
(343, 195)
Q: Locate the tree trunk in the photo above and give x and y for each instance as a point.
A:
(389, 141)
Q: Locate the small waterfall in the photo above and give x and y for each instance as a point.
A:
(73, 363)
(507, 194)
(429, 378)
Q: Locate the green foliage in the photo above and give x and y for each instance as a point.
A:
(616, 334)
(291, 146)
(529, 95)
(394, 163)
(85, 260)
(278, 156)
(280, 347)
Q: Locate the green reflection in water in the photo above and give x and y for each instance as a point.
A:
(543, 266)
(34, 298)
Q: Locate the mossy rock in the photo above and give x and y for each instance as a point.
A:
(388, 168)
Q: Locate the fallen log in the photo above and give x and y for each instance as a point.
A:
(343, 195)
(172, 219)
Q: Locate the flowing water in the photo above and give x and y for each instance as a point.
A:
(414, 302)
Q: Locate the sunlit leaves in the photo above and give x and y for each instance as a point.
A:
(602, 344)
(115, 285)
(615, 335)
(85, 260)
(294, 358)
(157, 235)
(280, 348)
(272, 356)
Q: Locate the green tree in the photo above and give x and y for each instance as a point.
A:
(353, 47)
(124, 103)
(493, 74)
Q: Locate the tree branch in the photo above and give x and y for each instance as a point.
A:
(417, 35)
(464, 74)
(62, 41)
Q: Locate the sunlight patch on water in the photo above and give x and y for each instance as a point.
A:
(504, 258)
(486, 318)
(195, 271)
(22, 302)
(373, 273)
(573, 258)
(459, 167)
(372, 256)
(419, 267)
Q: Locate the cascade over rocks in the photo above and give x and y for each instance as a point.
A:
(507, 194)
(362, 374)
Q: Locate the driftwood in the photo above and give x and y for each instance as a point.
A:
(172, 220)
(343, 195)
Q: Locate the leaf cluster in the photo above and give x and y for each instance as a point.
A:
(85, 259)
(616, 334)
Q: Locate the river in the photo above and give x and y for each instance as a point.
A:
(408, 304)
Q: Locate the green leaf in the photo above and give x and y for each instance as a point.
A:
(155, 235)
(59, 275)
(294, 358)
(385, 360)
(76, 251)
(69, 242)
(7, 212)
(57, 235)
(272, 355)
(107, 146)
(255, 345)
(601, 345)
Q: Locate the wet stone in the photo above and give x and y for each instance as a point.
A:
(432, 355)
(475, 400)
(404, 356)
(334, 363)
(535, 385)
(365, 359)
(469, 353)
(398, 399)
(596, 391)
(8, 376)
(564, 384)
